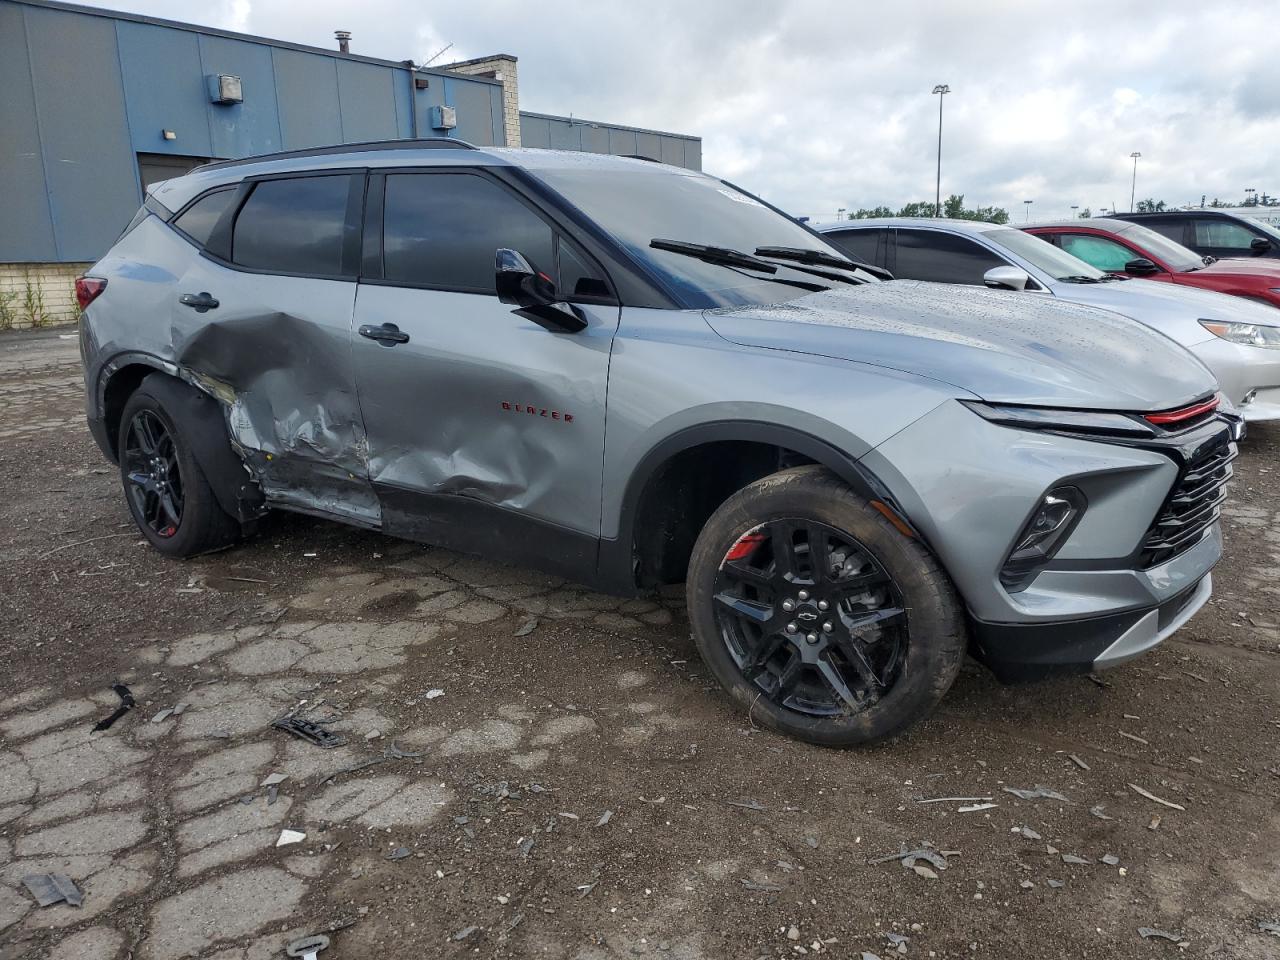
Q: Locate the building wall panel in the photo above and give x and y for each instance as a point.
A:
(26, 229)
(307, 93)
(366, 97)
(249, 128)
(163, 89)
(90, 169)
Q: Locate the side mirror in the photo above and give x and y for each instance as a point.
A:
(1141, 267)
(533, 294)
(1006, 278)
(1259, 246)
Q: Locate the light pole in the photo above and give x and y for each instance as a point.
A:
(1028, 204)
(1133, 187)
(840, 213)
(1074, 208)
(941, 90)
(1248, 200)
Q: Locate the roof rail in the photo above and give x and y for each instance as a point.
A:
(422, 143)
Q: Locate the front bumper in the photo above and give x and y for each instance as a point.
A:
(1018, 652)
(1249, 376)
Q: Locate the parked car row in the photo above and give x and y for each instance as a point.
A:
(1238, 338)
(633, 374)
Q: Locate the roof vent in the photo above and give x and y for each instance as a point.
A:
(344, 40)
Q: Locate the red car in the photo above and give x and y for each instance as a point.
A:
(1131, 250)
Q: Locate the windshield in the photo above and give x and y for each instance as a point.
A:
(1043, 255)
(638, 206)
(1179, 258)
(1269, 229)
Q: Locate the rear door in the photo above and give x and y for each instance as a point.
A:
(940, 257)
(864, 244)
(263, 319)
(485, 430)
(1224, 238)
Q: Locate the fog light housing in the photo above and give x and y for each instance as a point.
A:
(1045, 532)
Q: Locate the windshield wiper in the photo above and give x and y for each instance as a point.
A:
(735, 260)
(1079, 278)
(819, 259)
(722, 255)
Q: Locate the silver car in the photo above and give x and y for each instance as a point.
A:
(632, 374)
(966, 252)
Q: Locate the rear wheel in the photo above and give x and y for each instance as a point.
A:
(167, 492)
(819, 616)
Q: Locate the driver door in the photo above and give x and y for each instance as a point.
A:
(485, 430)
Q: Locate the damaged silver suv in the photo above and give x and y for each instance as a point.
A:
(631, 374)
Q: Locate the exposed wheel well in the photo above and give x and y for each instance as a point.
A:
(685, 490)
(116, 394)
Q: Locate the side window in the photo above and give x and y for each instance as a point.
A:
(861, 245)
(1223, 234)
(1097, 251)
(442, 229)
(1172, 227)
(576, 277)
(294, 225)
(942, 257)
(198, 220)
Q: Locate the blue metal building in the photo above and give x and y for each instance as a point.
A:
(95, 105)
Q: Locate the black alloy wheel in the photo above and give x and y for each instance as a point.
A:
(811, 618)
(152, 474)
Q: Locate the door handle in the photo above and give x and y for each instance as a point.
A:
(199, 302)
(388, 334)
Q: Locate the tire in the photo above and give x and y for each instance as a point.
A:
(192, 522)
(864, 675)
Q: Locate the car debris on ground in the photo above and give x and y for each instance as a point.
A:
(311, 732)
(1151, 796)
(1036, 793)
(1152, 933)
(51, 888)
(290, 836)
(127, 703)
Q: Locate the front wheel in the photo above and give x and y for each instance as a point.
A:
(818, 616)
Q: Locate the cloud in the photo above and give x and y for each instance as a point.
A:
(826, 104)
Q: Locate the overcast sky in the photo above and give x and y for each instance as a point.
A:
(823, 104)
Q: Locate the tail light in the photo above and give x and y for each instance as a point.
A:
(88, 289)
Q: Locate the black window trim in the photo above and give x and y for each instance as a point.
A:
(219, 247)
(373, 250)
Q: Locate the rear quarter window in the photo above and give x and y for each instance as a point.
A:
(198, 220)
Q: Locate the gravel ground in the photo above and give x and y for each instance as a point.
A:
(578, 789)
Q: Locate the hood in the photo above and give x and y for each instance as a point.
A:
(999, 346)
(1174, 309)
(1264, 268)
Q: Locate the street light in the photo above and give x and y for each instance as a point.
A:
(1134, 186)
(1028, 203)
(1074, 208)
(840, 213)
(1248, 200)
(941, 90)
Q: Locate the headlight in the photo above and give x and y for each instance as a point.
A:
(1045, 532)
(1048, 418)
(1250, 334)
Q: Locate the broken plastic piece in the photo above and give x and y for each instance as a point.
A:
(1036, 793)
(311, 732)
(290, 836)
(1266, 926)
(604, 818)
(399, 853)
(273, 778)
(464, 933)
(51, 888)
(1110, 859)
(527, 627)
(1150, 933)
(1078, 861)
(1056, 884)
(307, 947)
(127, 703)
(1027, 832)
(974, 808)
(1151, 796)
(1097, 812)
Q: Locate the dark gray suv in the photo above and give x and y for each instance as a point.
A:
(633, 374)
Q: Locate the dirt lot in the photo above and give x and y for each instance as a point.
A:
(578, 790)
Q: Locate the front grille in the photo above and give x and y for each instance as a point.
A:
(1192, 507)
